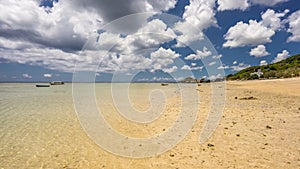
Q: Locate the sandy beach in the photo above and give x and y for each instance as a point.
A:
(260, 128)
(149, 84)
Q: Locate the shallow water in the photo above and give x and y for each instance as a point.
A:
(39, 127)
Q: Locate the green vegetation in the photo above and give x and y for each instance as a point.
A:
(287, 68)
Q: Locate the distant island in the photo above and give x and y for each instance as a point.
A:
(287, 68)
(202, 80)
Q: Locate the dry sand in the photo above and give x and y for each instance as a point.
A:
(260, 132)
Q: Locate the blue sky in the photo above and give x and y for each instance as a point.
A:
(140, 41)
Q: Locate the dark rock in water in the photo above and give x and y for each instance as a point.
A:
(248, 98)
(268, 127)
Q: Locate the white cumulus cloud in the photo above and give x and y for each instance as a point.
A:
(217, 56)
(162, 58)
(187, 67)
(215, 77)
(267, 2)
(281, 56)
(263, 62)
(271, 19)
(159, 79)
(212, 63)
(294, 27)
(59, 27)
(244, 4)
(223, 67)
(26, 76)
(254, 33)
(151, 35)
(158, 5)
(170, 70)
(230, 4)
(47, 75)
(259, 51)
(52, 37)
(199, 55)
(243, 34)
(198, 16)
(240, 67)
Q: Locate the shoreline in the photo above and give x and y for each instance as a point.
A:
(255, 80)
(41, 129)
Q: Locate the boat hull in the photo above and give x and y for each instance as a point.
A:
(57, 83)
(42, 85)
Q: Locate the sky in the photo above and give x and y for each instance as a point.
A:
(143, 40)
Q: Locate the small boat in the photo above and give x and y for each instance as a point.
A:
(42, 85)
(57, 83)
(164, 84)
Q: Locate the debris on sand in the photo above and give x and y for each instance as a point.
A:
(248, 98)
(210, 145)
(268, 127)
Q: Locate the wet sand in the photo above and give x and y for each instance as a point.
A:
(260, 128)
